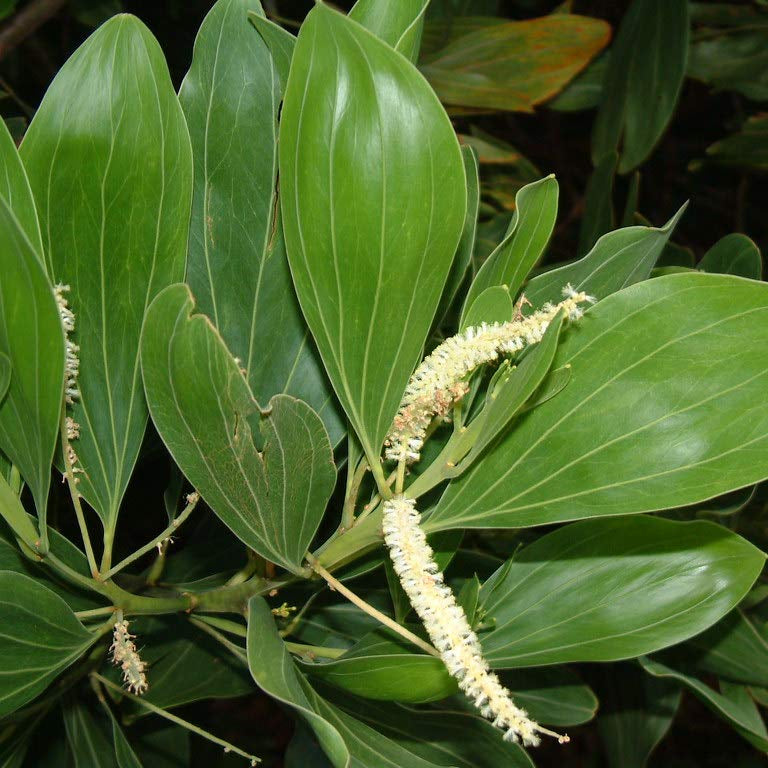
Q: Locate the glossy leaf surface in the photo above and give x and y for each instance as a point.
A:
(201, 405)
(630, 432)
(373, 198)
(397, 24)
(109, 162)
(602, 590)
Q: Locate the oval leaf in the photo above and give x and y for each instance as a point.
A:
(110, 165)
(734, 254)
(630, 433)
(40, 637)
(201, 405)
(373, 197)
(602, 590)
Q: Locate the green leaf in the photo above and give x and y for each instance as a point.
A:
(493, 305)
(602, 590)
(397, 24)
(12, 511)
(201, 404)
(5, 375)
(525, 241)
(110, 166)
(617, 260)
(124, 754)
(552, 695)
(731, 703)
(15, 189)
(32, 340)
(629, 434)
(636, 711)
(237, 268)
(598, 204)
(733, 650)
(644, 77)
(373, 198)
(41, 636)
(275, 673)
(514, 65)
(746, 149)
(454, 738)
(383, 666)
(733, 60)
(734, 254)
(463, 257)
(89, 737)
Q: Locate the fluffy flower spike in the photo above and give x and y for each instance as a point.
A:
(125, 655)
(447, 624)
(72, 364)
(441, 379)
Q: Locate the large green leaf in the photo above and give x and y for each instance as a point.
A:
(732, 703)
(373, 197)
(618, 259)
(598, 215)
(110, 166)
(237, 267)
(276, 674)
(746, 149)
(514, 65)
(201, 405)
(40, 637)
(398, 24)
(382, 666)
(636, 711)
(644, 77)
(524, 243)
(32, 340)
(630, 433)
(602, 590)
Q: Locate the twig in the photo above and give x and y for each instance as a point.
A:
(24, 23)
(370, 610)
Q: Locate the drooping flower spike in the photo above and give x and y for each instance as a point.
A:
(441, 379)
(439, 382)
(125, 656)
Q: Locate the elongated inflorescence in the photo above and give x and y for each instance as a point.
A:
(125, 656)
(447, 625)
(441, 379)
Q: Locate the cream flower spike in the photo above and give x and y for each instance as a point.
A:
(440, 380)
(72, 364)
(447, 624)
(125, 656)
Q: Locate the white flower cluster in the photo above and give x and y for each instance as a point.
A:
(447, 625)
(440, 380)
(125, 655)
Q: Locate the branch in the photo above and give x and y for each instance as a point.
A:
(24, 23)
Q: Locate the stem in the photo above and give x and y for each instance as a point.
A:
(73, 492)
(370, 610)
(314, 650)
(174, 719)
(224, 624)
(348, 513)
(400, 481)
(381, 481)
(193, 498)
(237, 651)
(364, 536)
(107, 610)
